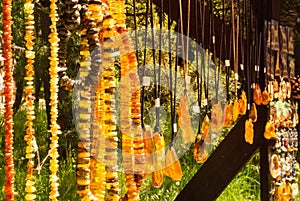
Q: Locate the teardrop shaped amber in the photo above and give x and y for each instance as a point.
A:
(184, 120)
(158, 160)
(173, 169)
(217, 118)
(199, 150)
(249, 132)
(269, 130)
(149, 148)
(253, 113)
(205, 129)
(235, 110)
(157, 178)
(265, 97)
(228, 118)
(243, 104)
(257, 94)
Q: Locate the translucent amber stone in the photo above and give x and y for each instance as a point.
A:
(265, 97)
(249, 132)
(243, 104)
(217, 118)
(184, 120)
(199, 150)
(173, 169)
(274, 166)
(269, 130)
(205, 129)
(253, 113)
(257, 94)
(228, 116)
(157, 178)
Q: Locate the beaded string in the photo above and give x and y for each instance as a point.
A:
(54, 127)
(29, 97)
(8, 94)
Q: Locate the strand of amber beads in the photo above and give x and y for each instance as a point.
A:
(109, 124)
(8, 94)
(83, 179)
(54, 127)
(127, 138)
(98, 172)
(29, 97)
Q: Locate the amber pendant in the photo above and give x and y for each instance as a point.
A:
(269, 130)
(274, 166)
(257, 95)
(184, 120)
(249, 132)
(228, 118)
(157, 178)
(158, 160)
(253, 113)
(265, 97)
(205, 130)
(216, 118)
(173, 169)
(235, 110)
(199, 150)
(149, 148)
(243, 104)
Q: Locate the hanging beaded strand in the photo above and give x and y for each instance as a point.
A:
(8, 94)
(54, 127)
(29, 98)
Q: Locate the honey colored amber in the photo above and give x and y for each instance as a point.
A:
(253, 113)
(205, 129)
(200, 150)
(173, 169)
(249, 132)
(158, 160)
(184, 120)
(243, 104)
(217, 118)
(265, 97)
(228, 115)
(274, 166)
(269, 130)
(257, 94)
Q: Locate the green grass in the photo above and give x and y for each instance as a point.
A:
(245, 185)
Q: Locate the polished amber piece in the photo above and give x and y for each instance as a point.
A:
(149, 147)
(184, 120)
(200, 150)
(257, 94)
(158, 160)
(205, 129)
(253, 113)
(173, 169)
(217, 118)
(243, 104)
(249, 132)
(265, 97)
(269, 130)
(228, 115)
(274, 166)
(235, 110)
